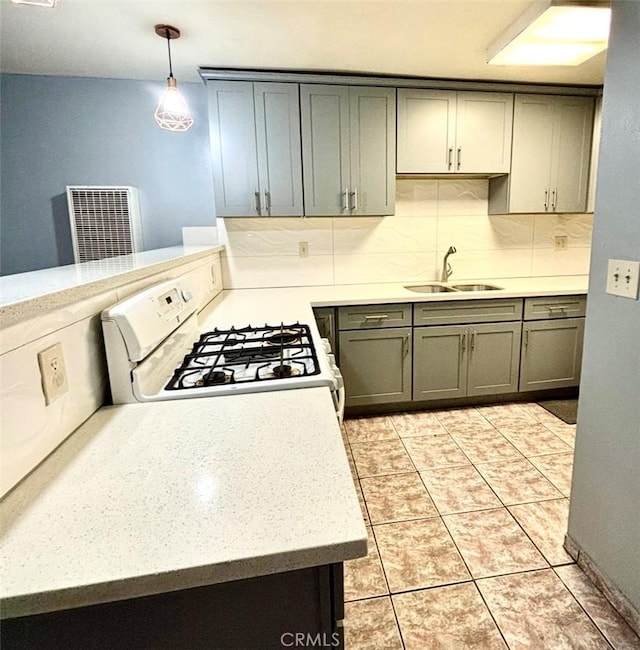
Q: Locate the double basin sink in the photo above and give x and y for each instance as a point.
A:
(447, 288)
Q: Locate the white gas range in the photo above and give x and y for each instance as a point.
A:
(156, 351)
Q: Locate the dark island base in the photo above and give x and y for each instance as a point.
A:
(263, 612)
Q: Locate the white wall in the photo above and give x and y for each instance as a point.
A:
(430, 216)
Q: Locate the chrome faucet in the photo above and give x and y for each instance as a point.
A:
(446, 267)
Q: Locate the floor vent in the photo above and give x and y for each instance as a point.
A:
(105, 221)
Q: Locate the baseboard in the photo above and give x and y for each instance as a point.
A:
(617, 599)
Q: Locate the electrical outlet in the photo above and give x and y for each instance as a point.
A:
(560, 242)
(303, 249)
(53, 373)
(622, 278)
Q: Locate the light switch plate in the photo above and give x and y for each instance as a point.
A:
(622, 278)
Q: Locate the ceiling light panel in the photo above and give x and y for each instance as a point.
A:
(50, 4)
(553, 34)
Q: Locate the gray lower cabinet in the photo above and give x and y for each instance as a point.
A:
(254, 130)
(376, 365)
(348, 149)
(551, 353)
(326, 321)
(465, 360)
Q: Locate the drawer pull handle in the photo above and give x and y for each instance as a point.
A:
(553, 308)
(376, 316)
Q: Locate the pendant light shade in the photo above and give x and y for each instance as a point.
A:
(172, 112)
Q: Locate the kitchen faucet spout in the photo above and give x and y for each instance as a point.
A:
(446, 267)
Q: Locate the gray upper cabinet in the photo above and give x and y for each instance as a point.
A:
(442, 132)
(255, 146)
(551, 153)
(348, 149)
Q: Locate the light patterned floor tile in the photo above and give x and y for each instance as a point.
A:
(446, 617)
(506, 415)
(608, 621)
(397, 497)
(533, 439)
(364, 577)
(463, 420)
(459, 489)
(382, 457)
(369, 429)
(517, 481)
(535, 610)
(419, 553)
(546, 524)
(557, 468)
(492, 543)
(485, 446)
(371, 625)
(431, 452)
(421, 423)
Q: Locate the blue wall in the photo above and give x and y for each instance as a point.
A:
(59, 131)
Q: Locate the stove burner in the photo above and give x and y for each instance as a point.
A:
(284, 337)
(226, 358)
(284, 370)
(215, 377)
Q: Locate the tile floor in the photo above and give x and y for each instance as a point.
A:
(466, 511)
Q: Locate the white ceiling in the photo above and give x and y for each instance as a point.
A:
(115, 38)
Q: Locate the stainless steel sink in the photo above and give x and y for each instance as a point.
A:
(475, 287)
(428, 288)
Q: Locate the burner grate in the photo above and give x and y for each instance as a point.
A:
(249, 354)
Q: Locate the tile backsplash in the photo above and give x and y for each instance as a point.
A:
(430, 216)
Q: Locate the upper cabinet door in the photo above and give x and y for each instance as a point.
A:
(277, 113)
(573, 128)
(426, 131)
(484, 123)
(233, 147)
(550, 162)
(530, 189)
(372, 119)
(325, 149)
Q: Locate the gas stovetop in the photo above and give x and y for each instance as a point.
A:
(249, 354)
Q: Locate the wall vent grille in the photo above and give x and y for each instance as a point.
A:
(105, 221)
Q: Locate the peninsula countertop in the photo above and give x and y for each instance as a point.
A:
(149, 498)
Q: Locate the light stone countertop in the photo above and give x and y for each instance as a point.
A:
(149, 498)
(240, 307)
(24, 295)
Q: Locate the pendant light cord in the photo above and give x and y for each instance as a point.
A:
(168, 37)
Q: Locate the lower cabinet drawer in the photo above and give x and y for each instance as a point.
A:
(374, 316)
(554, 307)
(467, 311)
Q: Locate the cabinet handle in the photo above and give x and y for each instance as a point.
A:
(267, 202)
(354, 202)
(459, 157)
(450, 161)
(464, 342)
(553, 200)
(405, 344)
(345, 205)
(546, 202)
(560, 308)
(526, 338)
(256, 201)
(473, 340)
(376, 317)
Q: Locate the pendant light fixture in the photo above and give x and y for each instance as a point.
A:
(172, 112)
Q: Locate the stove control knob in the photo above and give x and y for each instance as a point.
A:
(187, 295)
